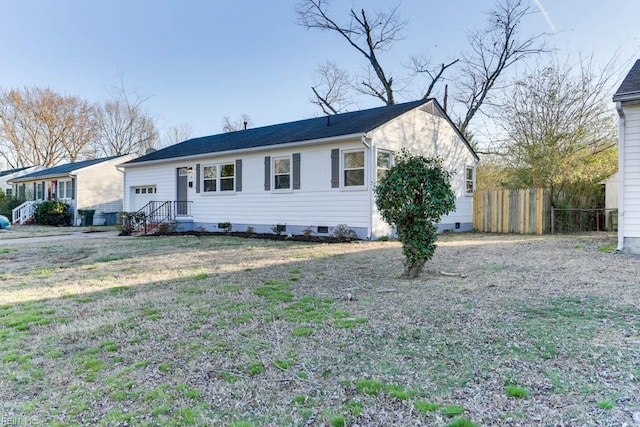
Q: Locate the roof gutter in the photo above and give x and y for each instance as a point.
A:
(620, 176)
(42, 178)
(626, 96)
(247, 150)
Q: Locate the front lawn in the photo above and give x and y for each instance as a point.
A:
(214, 330)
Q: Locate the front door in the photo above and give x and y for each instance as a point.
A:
(181, 193)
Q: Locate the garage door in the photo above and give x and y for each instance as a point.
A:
(141, 196)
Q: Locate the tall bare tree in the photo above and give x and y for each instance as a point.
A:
(124, 127)
(367, 34)
(41, 127)
(423, 65)
(229, 125)
(493, 50)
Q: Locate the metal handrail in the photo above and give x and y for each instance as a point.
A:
(158, 212)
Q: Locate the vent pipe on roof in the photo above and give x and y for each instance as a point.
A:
(328, 120)
(446, 96)
(245, 125)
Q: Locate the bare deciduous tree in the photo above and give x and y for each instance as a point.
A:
(421, 64)
(493, 50)
(228, 125)
(176, 134)
(41, 127)
(331, 93)
(367, 35)
(123, 125)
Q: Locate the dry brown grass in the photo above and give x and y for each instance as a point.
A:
(217, 330)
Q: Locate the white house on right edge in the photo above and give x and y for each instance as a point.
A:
(627, 99)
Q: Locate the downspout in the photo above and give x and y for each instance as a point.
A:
(125, 193)
(371, 162)
(620, 177)
(74, 180)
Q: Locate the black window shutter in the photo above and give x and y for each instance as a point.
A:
(267, 173)
(239, 175)
(35, 191)
(73, 188)
(335, 168)
(296, 171)
(197, 177)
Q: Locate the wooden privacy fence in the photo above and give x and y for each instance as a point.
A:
(512, 211)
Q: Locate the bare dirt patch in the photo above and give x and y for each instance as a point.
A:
(187, 330)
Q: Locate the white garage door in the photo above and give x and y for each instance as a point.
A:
(140, 196)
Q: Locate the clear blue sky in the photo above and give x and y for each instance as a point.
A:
(201, 60)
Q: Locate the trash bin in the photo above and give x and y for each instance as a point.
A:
(86, 217)
(111, 218)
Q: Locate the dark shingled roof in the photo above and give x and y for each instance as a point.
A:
(10, 171)
(65, 169)
(631, 84)
(303, 130)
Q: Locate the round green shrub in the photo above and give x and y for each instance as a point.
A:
(52, 212)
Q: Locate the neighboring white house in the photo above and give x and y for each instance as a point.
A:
(8, 175)
(87, 185)
(310, 174)
(627, 99)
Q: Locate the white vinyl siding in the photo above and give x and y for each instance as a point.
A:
(316, 204)
(324, 184)
(631, 179)
(430, 135)
(100, 187)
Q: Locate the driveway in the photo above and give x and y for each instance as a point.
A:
(6, 238)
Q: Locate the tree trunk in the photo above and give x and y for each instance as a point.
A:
(412, 271)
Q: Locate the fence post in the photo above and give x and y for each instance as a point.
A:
(553, 218)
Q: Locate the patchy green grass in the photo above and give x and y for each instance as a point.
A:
(607, 248)
(151, 331)
(606, 404)
(516, 391)
(452, 410)
(369, 387)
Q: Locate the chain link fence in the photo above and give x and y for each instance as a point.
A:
(578, 220)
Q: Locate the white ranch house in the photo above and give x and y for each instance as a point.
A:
(627, 99)
(310, 174)
(86, 185)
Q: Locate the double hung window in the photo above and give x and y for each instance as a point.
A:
(64, 190)
(281, 173)
(218, 177)
(384, 161)
(353, 168)
(469, 181)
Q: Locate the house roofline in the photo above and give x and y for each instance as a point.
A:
(42, 178)
(70, 174)
(627, 96)
(317, 141)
